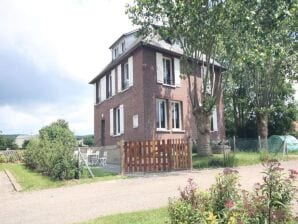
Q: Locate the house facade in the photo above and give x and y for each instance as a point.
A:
(140, 94)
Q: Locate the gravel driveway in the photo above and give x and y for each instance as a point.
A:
(87, 201)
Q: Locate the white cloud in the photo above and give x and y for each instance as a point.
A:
(72, 35)
(68, 37)
(29, 120)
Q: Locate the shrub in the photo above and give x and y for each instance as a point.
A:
(229, 159)
(226, 203)
(53, 152)
(264, 155)
(225, 192)
(32, 154)
(192, 207)
(2, 159)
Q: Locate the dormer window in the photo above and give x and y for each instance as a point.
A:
(116, 52)
(123, 46)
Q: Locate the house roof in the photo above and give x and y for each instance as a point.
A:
(123, 35)
(152, 42)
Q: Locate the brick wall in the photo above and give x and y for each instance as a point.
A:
(140, 99)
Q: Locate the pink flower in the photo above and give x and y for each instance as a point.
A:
(229, 204)
(293, 174)
(228, 171)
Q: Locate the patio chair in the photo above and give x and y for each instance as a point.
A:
(103, 160)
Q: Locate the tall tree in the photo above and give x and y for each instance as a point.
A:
(267, 60)
(198, 27)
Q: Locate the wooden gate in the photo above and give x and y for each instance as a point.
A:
(156, 156)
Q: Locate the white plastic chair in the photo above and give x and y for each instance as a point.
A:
(103, 160)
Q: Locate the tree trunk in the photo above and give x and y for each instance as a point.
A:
(262, 124)
(203, 135)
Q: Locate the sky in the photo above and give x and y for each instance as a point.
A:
(49, 51)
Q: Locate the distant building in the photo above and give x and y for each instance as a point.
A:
(20, 139)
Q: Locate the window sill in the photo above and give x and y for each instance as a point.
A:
(124, 90)
(117, 135)
(214, 131)
(168, 85)
(178, 131)
(163, 130)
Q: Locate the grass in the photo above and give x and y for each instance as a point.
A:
(31, 180)
(241, 159)
(154, 216)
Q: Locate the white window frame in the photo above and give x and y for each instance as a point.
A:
(116, 52)
(117, 130)
(213, 122)
(99, 91)
(135, 121)
(172, 81)
(174, 115)
(117, 121)
(110, 86)
(125, 80)
(158, 115)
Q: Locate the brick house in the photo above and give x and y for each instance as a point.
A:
(141, 96)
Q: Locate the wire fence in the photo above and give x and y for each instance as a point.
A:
(11, 156)
(256, 145)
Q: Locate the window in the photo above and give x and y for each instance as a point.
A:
(109, 85)
(135, 121)
(115, 52)
(161, 114)
(125, 79)
(116, 121)
(167, 71)
(214, 120)
(206, 79)
(98, 92)
(176, 115)
(123, 46)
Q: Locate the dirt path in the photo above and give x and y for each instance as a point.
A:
(87, 201)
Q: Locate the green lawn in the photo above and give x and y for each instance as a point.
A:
(31, 180)
(154, 216)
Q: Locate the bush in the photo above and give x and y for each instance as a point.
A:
(2, 159)
(264, 155)
(53, 152)
(88, 140)
(226, 203)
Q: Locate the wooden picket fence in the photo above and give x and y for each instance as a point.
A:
(155, 156)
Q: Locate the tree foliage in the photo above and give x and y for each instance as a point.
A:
(256, 41)
(264, 65)
(53, 151)
(88, 140)
(7, 142)
(197, 26)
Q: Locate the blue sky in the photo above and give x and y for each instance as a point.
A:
(49, 51)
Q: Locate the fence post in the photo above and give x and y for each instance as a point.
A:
(190, 153)
(260, 146)
(121, 144)
(79, 160)
(234, 143)
(285, 149)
